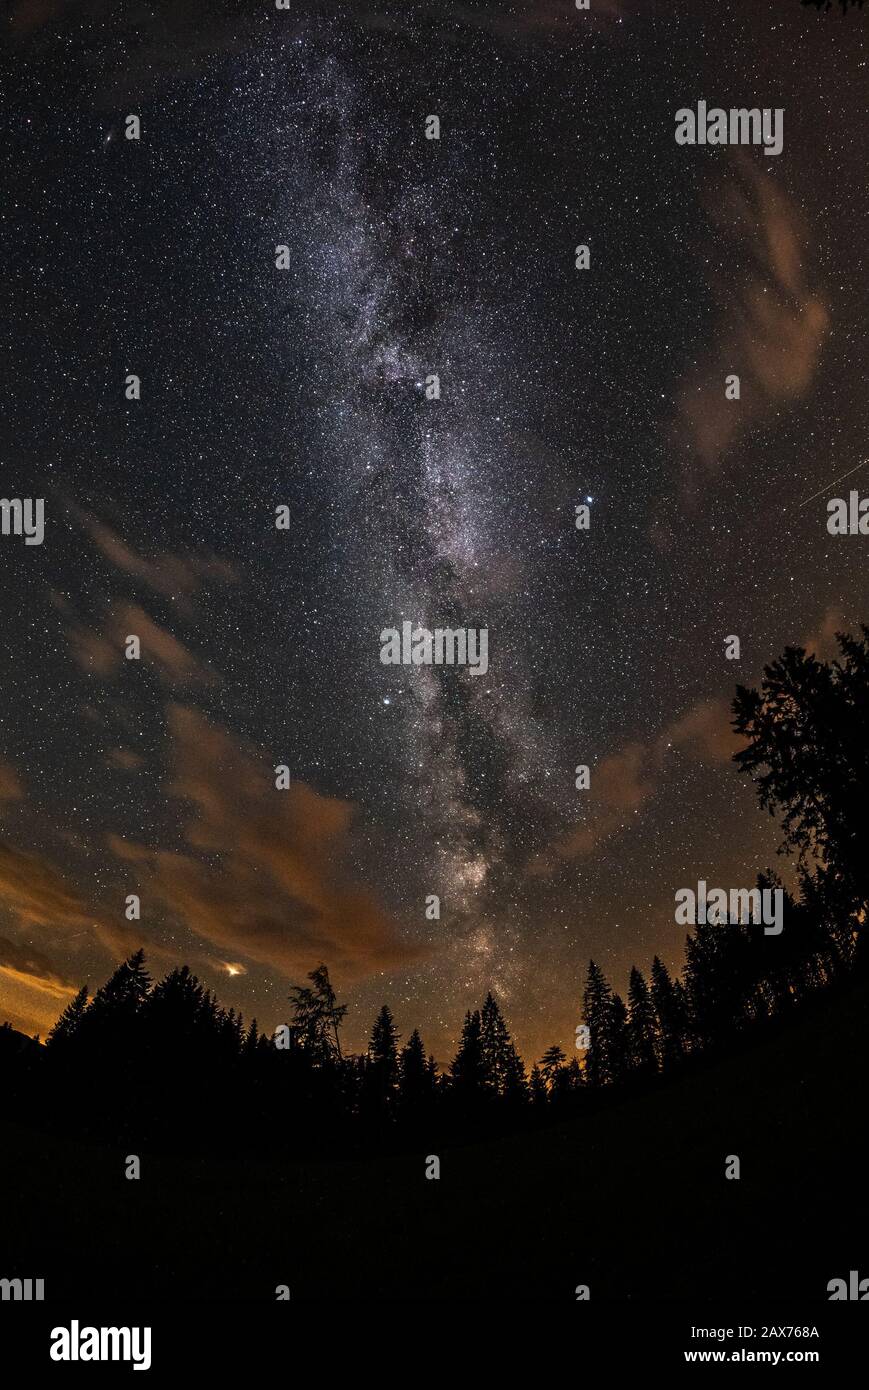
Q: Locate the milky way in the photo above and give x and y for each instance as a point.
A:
(307, 387)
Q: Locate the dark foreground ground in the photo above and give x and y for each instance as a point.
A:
(631, 1201)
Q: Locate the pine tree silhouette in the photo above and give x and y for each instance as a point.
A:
(670, 1015)
(467, 1070)
(620, 1041)
(602, 1062)
(111, 1020)
(514, 1086)
(537, 1088)
(381, 1073)
(415, 1089)
(642, 1056)
(67, 1027)
(251, 1039)
(551, 1064)
(502, 1069)
(317, 1017)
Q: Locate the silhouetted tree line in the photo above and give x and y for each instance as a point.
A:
(165, 1062)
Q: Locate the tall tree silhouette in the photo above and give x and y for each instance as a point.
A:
(703, 978)
(67, 1027)
(415, 1079)
(642, 1039)
(179, 1012)
(808, 753)
(317, 1017)
(514, 1085)
(501, 1065)
(467, 1070)
(537, 1088)
(620, 1042)
(382, 1070)
(551, 1064)
(602, 1060)
(114, 1011)
(671, 1014)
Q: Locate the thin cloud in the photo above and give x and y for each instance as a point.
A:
(173, 576)
(125, 759)
(102, 652)
(33, 967)
(771, 326)
(262, 878)
(11, 787)
(623, 782)
(38, 896)
(35, 892)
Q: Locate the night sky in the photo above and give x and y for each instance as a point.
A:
(305, 388)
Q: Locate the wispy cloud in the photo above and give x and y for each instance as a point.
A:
(626, 780)
(822, 641)
(101, 651)
(171, 575)
(263, 876)
(34, 968)
(11, 786)
(39, 897)
(771, 325)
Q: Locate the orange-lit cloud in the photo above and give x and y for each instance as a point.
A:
(172, 576)
(772, 320)
(34, 967)
(37, 896)
(32, 990)
(11, 788)
(35, 892)
(262, 878)
(28, 15)
(125, 759)
(102, 653)
(822, 642)
(623, 782)
(705, 732)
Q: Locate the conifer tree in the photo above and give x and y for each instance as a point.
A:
(412, 1066)
(174, 1007)
(415, 1077)
(503, 1071)
(537, 1088)
(601, 1061)
(642, 1039)
(573, 1075)
(668, 1012)
(681, 1010)
(382, 1070)
(317, 1017)
(116, 1006)
(67, 1026)
(494, 1044)
(551, 1063)
(514, 1089)
(466, 1069)
(619, 1045)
